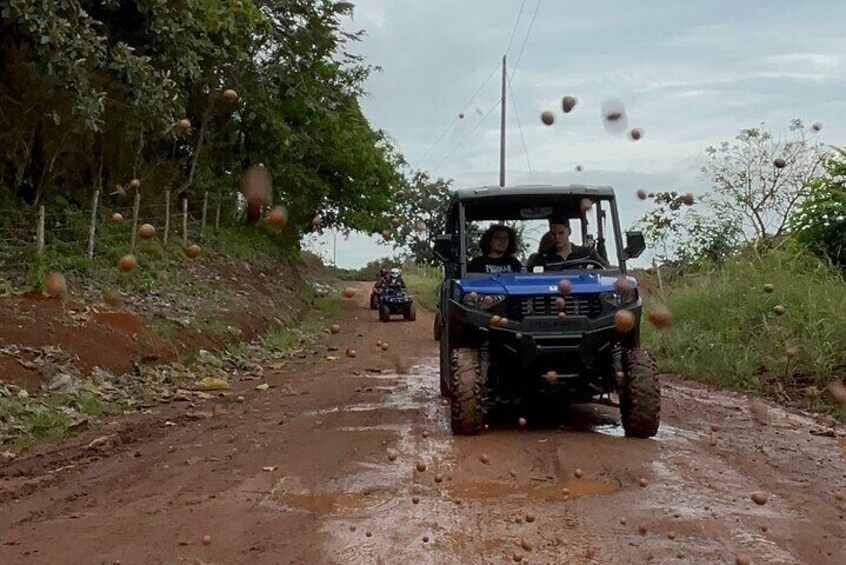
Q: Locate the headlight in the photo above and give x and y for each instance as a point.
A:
(617, 299)
(484, 301)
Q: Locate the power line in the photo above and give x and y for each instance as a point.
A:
(514, 30)
(456, 118)
(523, 45)
(520, 128)
(465, 138)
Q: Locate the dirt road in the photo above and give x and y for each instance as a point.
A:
(301, 473)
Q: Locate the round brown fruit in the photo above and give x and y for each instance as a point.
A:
(688, 199)
(317, 221)
(334, 328)
(579, 168)
(395, 222)
(135, 184)
(742, 560)
(193, 251)
(551, 377)
(461, 116)
(400, 194)
(421, 466)
(635, 134)
(112, 297)
(184, 124)
(392, 454)
(349, 292)
(780, 163)
(55, 286)
(521, 421)
(779, 310)
(385, 346)
(547, 117)
(127, 263)
(759, 497)
(117, 218)
(624, 321)
(564, 287)
(585, 204)
(769, 288)
(643, 482)
(652, 271)
(641, 194)
(386, 234)
(278, 216)
(229, 95)
(839, 496)
(817, 126)
(578, 473)
(560, 303)
(147, 231)
(623, 286)
(568, 103)
(495, 320)
(484, 458)
(661, 317)
(351, 353)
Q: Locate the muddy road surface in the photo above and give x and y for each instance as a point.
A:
(350, 460)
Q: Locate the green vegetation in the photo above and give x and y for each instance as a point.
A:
(424, 285)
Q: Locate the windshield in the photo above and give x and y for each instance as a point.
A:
(501, 244)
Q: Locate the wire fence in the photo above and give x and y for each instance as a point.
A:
(95, 231)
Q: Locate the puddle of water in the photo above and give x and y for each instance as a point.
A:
(329, 503)
(577, 487)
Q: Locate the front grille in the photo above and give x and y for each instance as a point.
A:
(574, 305)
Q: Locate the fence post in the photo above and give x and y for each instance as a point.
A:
(217, 213)
(185, 221)
(39, 230)
(203, 221)
(136, 206)
(93, 227)
(167, 217)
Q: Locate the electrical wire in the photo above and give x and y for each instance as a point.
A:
(520, 128)
(514, 30)
(456, 118)
(465, 138)
(525, 39)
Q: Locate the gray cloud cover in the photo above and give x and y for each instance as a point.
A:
(690, 73)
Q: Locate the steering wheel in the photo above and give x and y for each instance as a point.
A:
(574, 263)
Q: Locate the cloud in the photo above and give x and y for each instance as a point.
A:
(690, 74)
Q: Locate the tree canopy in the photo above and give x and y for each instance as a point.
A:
(98, 92)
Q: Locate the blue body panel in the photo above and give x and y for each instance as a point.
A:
(529, 284)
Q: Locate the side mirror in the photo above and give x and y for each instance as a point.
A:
(444, 249)
(635, 244)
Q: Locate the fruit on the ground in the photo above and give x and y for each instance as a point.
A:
(278, 216)
(335, 328)
(643, 482)
(392, 454)
(351, 353)
(769, 287)
(759, 497)
(193, 251)
(779, 310)
(484, 458)
(55, 286)
(578, 473)
(147, 231)
(127, 263)
(421, 466)
(112, 297)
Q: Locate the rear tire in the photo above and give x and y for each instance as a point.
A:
(469, 392)
(385, 313)
(640, 395)
(374, 302)
(437, 330)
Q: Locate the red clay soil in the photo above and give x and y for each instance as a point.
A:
(244, 297)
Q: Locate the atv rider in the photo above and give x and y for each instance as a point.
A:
(563, 249)
(394, 280)
(498, 244)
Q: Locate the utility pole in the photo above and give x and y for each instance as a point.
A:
(502, 131)
(335, 248)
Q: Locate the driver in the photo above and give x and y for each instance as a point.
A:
(498, 244)
(563, 249)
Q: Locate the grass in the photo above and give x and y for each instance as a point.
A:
(424, 286)
(726, 333)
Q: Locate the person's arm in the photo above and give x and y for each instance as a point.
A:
(476, 265)
(516, 265)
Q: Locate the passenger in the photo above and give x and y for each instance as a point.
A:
(563, 249)
(498, 244)
(395, 279)
(544, 246)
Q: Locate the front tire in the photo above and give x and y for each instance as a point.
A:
(374, 302)
(385, 313)
(640, 395)
(437, 330)
(411, 313)
(469, 392)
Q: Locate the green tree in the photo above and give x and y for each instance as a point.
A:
(820, 220)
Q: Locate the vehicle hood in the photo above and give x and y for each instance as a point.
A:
(525, 284)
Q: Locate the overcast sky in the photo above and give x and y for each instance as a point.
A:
(691, 74)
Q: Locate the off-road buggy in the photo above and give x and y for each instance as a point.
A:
(513, 338)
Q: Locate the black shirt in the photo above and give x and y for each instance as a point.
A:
(577, 252)
(494, 265)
